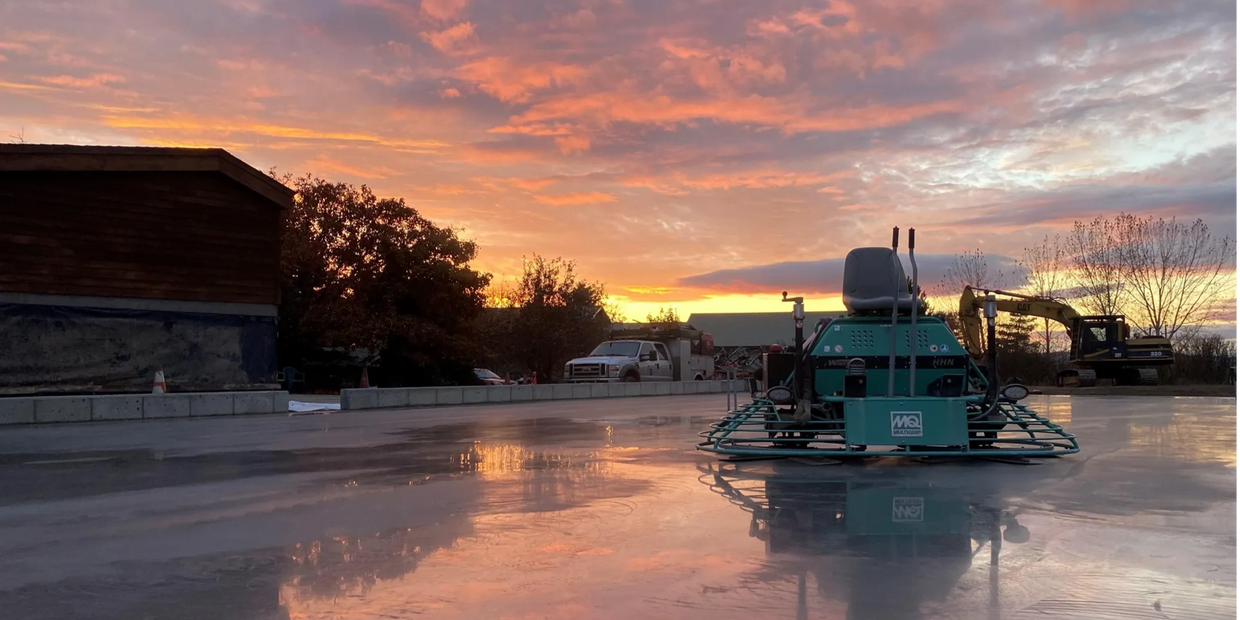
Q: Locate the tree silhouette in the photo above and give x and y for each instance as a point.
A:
(665, 317)
(366, 274)
(551, 316)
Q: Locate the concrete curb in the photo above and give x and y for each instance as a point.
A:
(111, 407)
(381, 398)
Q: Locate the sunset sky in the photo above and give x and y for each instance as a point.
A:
(702, 154)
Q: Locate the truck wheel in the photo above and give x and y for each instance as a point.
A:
(632, 377)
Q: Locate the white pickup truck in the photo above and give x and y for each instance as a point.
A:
(662, 357)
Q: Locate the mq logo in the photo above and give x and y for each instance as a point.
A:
(906, 424)
(904, 509)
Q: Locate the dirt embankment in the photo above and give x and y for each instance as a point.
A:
(1143, 390)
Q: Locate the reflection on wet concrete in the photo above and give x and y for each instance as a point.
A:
(911, 536)
(609, 513)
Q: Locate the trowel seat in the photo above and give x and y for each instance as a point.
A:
(871, 278)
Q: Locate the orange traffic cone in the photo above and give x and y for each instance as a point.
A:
(365, 377)
(160, 386)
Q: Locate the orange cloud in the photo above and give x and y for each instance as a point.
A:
(572, 144)
(581, 198)
(502, 184)
(532, 185)
(654, 184)
(451, 40)
(18, 86)
(514, 82)
(535, 129)
(204, 125)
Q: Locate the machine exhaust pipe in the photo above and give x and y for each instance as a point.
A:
(912, 336)
(895, 308)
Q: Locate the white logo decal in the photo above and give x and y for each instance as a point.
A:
(934, 348)
(943, 348)
(905, 509)
(906, 424)
(839, 348)
(837, 328)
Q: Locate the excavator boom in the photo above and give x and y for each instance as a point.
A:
(971, 321)
(1100, 344)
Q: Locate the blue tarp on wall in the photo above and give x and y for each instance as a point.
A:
(65, 348)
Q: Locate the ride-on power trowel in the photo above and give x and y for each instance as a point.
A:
(861, 386)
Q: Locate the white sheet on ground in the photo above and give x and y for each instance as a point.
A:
(298, 405)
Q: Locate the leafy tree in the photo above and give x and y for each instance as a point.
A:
(665, 317)
(553, 316)
(366, 274)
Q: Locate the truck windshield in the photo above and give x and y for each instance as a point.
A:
(622, 349)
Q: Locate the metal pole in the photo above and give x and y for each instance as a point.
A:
(912, 337)
(895, 306)
(992, 353)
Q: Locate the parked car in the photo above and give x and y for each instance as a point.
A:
(487, 377)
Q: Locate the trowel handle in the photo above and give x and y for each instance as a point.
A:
(895, 237)
(911, 233)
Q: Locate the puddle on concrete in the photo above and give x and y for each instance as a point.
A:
(617, 517)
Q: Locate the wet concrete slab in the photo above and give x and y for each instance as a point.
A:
(603, 509)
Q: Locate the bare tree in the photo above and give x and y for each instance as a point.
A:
(1044, 266)
(971, 269)
(1175, 273)
(1094, 251)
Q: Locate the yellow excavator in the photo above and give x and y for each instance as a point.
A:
(1102, 346)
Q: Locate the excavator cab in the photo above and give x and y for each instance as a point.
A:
(1100, 336)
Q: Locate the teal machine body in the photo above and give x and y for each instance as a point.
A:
(885, 380)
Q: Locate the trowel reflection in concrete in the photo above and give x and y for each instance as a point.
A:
(883, 547)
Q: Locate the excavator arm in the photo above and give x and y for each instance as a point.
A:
(971, 304)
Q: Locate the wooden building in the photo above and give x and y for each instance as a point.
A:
(115, 260)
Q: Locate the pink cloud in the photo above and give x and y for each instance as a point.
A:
(443, 9)
(97, 80)
(323, 162)
(403, 13)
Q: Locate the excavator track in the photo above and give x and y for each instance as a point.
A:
(1078, 377)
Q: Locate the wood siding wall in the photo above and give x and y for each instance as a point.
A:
(191, 236)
